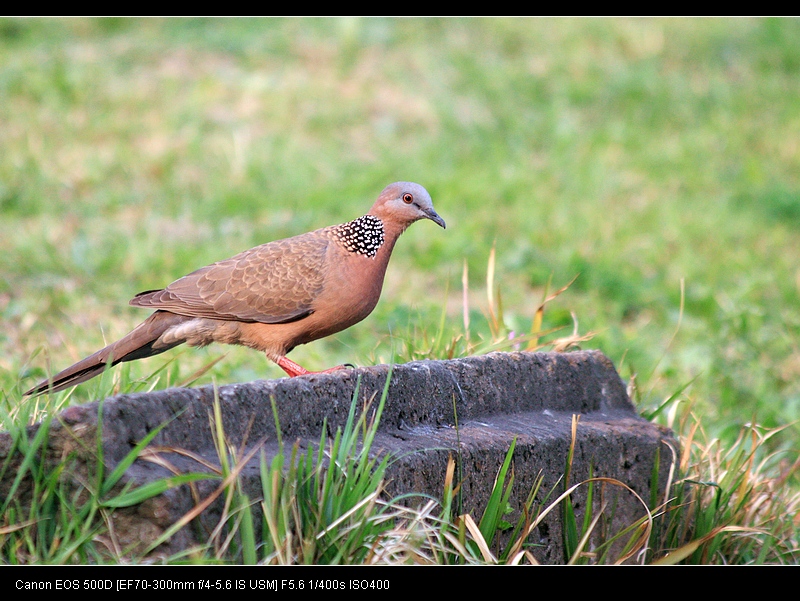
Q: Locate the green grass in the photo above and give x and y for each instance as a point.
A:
(656, 159)
(327, 505)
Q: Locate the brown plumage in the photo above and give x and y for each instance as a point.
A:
(272, 297)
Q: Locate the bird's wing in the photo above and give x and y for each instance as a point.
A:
(276, 282)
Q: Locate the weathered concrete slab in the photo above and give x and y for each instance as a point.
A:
(493, 399)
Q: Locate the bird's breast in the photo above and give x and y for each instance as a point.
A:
(353, 290)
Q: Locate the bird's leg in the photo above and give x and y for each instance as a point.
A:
(291, 368)
(294, 369)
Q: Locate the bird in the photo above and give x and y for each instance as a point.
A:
(272, 297)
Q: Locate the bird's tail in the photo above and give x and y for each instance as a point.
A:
(135, 345)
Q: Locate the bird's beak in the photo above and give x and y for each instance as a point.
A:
(434, 216)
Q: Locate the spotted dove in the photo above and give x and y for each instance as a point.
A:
(272, 297)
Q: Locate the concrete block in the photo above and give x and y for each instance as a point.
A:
(493, 398)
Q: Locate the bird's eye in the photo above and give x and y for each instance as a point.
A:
(408, 198)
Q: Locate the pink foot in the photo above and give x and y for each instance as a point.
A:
(294, 369)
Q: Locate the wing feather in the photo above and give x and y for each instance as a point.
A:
(276, 282)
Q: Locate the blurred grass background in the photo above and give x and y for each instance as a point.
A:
(642, 155)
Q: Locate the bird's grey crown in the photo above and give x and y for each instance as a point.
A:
(363, 235)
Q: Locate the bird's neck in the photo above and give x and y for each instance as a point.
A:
(369, 236)
(364, 236)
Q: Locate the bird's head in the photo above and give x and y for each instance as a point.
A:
(404, 203)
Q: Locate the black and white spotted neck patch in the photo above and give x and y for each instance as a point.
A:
(363, 235)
